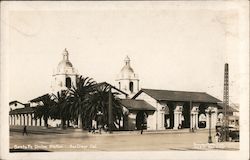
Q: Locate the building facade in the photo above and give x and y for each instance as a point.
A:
(163, 109)
(150, 109)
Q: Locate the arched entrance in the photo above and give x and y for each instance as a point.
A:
(202, 121)
(202, 115)
(141, 120)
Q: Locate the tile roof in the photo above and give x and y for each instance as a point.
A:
(132, 104)
(168, 95)
(38, 99)
(23, 110)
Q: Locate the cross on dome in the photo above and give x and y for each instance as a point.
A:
(127, 60)
(65, 54)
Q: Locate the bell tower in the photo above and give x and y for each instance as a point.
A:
(127, 80)
(65, 76)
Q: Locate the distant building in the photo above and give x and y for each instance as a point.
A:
(233, 115)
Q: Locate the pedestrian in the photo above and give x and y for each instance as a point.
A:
(179, 127)
(100, 129)
(25, 130)
(217, 137)
(141, 128)
(93, 129)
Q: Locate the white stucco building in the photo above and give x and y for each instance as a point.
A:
(155, 109)
(151, 109)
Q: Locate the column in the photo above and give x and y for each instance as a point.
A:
(207, 121)
(177, 114)
(38, 122)
(197, 120)
(212, 120)
(191, 120)
(180, 118)
(21, 119)
(14, 117)
(33, 119)
(215, 117)
(11, 119)
(28, 119)
(175, 121)
(24, 119)
(17, 122)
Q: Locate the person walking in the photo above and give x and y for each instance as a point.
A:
(142, 128)
(217, 137)
(25, 130)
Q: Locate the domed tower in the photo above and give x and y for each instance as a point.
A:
(127, 80)
(65, 76)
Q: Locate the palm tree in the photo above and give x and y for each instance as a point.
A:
(45, 103)
(61, 108)
(78, 99)
(99, 102)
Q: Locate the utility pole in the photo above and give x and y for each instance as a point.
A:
(226, 103)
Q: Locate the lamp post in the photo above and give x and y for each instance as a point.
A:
(209, 133)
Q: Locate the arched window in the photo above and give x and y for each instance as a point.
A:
(68, 82)
(131, 86)
(119, 85)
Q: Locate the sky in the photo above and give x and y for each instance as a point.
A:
(171, 49)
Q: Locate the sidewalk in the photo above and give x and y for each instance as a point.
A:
(43, 130)
(54, 130)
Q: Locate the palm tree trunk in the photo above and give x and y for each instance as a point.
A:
(119, 124)
(80, 121)
(110, 113)
(68, 123)
(62, 123)
(46, 122)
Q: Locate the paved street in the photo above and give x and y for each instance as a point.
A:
(123, 141)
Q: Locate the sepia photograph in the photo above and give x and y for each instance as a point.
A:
(124, 80)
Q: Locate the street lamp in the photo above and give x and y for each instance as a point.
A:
(209, 114)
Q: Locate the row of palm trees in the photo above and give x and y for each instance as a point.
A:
(81, 103)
